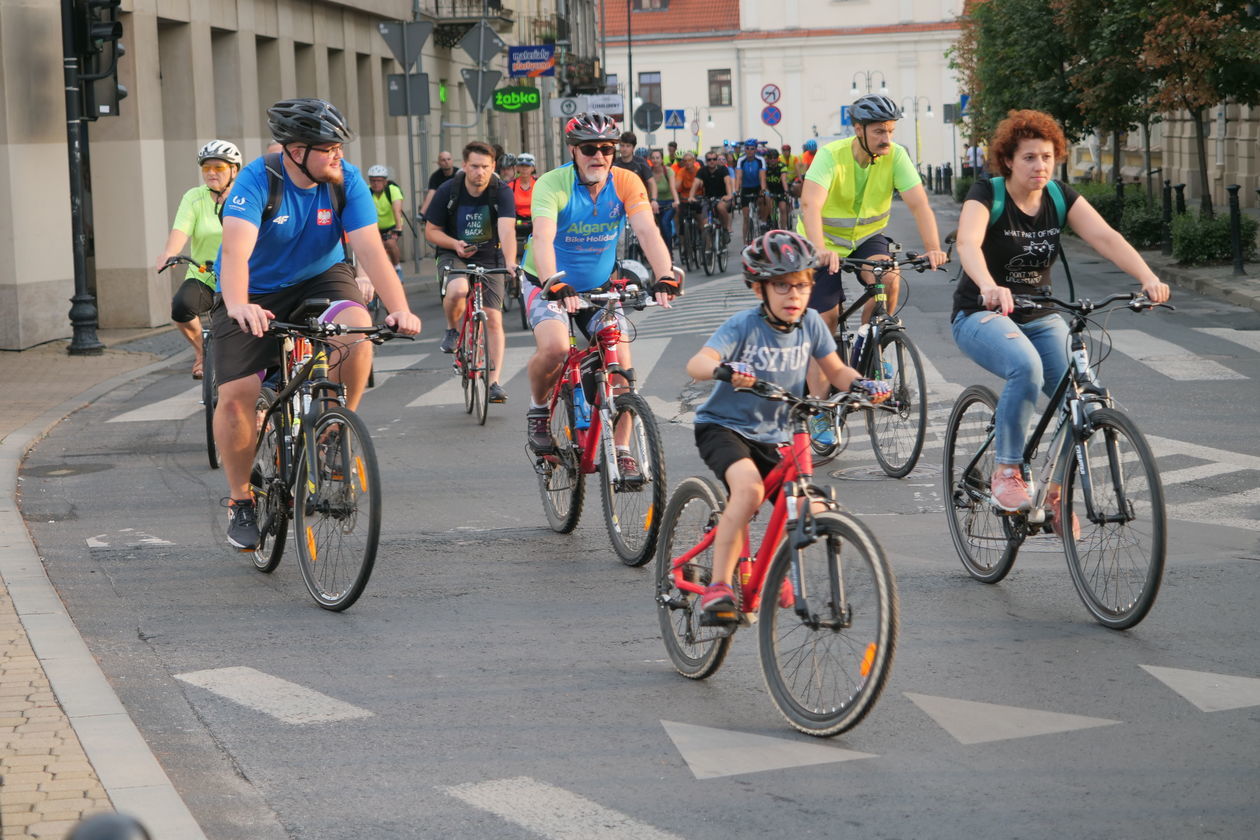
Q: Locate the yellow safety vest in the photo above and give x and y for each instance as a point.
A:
(845, 225)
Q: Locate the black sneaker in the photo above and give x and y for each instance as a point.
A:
(242, 530)
(497, 394)
(538, 429)
(449, 340)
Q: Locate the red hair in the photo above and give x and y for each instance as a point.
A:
(1023, 125)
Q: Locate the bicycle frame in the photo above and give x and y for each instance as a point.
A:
(303, 373)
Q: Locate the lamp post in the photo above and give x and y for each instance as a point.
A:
(914, 104)
(867, 75)
(629, 64)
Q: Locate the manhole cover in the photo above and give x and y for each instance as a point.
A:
(872, 472)
(63, 470)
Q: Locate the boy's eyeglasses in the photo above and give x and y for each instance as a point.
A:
(590, 150)
(783, 287)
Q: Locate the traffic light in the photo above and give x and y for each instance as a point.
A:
(98, 43)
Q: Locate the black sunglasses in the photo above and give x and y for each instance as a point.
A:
(710, 160)
(590, 149)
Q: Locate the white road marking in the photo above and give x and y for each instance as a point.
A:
(553, 812)
(1209, 692)
(1236, 510)
(451, 392)
(646, 353)
(1247, 338)
(711, 753)
(397, 361)
(937, 384)
(1169, 359)
(286, 701)
(184, 404)
(132, 539)
(970, 722)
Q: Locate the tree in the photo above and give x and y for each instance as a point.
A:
(1202, 52)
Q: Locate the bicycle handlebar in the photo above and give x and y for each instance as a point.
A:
(854, 265)
(318, 330)
(474, 269)
(181, 259)
(1136, 301)
(777, 393)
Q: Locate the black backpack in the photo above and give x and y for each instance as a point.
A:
(457, 187)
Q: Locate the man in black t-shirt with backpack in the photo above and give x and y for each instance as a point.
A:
(472, 218)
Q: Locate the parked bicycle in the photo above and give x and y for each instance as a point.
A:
(314, 463)
(209, 383)
(591, 418)
(472, 349)
(882, 349)
(818, 585)
(1096, 476)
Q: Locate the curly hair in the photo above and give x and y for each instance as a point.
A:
(1023, 125)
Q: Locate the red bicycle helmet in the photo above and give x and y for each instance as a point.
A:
(586, 127)
(776, 253)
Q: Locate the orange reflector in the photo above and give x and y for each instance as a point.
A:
(310, 544)
(358, 468)
(868, 660)
(647, 520)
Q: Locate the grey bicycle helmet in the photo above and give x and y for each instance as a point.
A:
(874, 108)
(587, 127)
(378, 171)
(219, 150)
(307, 121)
(525, 159)
(776, 253)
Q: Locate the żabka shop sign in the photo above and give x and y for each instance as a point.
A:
(521, 98)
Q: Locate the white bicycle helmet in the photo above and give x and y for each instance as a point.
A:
(219, 150)
(378, 171)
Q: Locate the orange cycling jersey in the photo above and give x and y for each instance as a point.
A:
(523, 194)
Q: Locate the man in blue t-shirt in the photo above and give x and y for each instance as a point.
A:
(268, 266)
(750, 183)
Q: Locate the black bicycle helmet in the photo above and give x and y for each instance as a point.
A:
(874, 108)
(776, 253)
(588, 127)
(307, 121)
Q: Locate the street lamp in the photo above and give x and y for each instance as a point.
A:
(867, 74)
(914, 105)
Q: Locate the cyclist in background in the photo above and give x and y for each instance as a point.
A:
(717, 183)
(446, 171)
(627, 159)
(750, 180)
(788, 160)
(666, 196)
(266, 271)
(388, 198)
(523, 193)
(776, 188)
(197, 220)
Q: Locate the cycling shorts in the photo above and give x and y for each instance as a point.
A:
(192, 298)
(828, 291)
(539, 309)
(721, 447)
(748, 196)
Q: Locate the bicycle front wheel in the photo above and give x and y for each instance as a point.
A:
(693, 511)
(480, 373)
(710, 249)
(633, 503)
(338, 509)
(271, 494)
(982, 537)
(828, 626)
(209, 399)
(560, 479)
(1117, 562)
(897, 427)
(723, 249)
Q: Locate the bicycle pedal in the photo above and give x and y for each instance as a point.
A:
(719, 618)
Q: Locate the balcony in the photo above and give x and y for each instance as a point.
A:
(453, 18)
(579, 75)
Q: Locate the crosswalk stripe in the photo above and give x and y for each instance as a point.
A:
(286, 701)
(184, 404)
(452, 391)
(1169, 359)
(553, 812)
(397, 361)
(1247, 338)
(1236, 510)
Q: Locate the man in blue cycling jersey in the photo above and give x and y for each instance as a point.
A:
(750, 180)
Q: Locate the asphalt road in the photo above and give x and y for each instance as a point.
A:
(497, 679)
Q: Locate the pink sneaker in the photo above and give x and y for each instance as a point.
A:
(1009, 490)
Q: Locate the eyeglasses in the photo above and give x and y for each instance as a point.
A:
(783, 287)
(215, 167)
(330, 151)
(590, 150)
(710, 160)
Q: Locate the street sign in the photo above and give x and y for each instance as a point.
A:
(532, 60)
(949, 112)
(518, 98)
(844, 115)
(568, 106)
(648, 116)
(695, 127)
(606, 103)
(770, 94)
(482, 43)
(405, 38)
(963, 100)
(771, 115)
(480, 84)
(417, 87)
(675, 118)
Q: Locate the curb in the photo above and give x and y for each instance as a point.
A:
(131, 775)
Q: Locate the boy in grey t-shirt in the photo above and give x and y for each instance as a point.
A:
(738, 433)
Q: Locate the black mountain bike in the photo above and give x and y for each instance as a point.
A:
(209, 382)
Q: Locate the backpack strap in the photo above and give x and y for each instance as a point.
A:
(1056, 195)
(275, 185)
(495, 183)
(999, 199)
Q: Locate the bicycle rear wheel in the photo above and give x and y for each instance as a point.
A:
(464, 362)
(632, 507)
(984, 540)
(723, 249)
(560, 479)
(897, 427)
(338, 509)
(209, 398)
(693, 511)
(480, 369)
(710, 249)
(827, 653)
(271, 495)
(1117, 563)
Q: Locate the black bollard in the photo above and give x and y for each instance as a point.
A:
(949, 178)
(1167, 226)
(1119, 202)
(1235, 229)
(1181, 199)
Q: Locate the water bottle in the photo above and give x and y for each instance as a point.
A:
(862, 333)
(581, 408)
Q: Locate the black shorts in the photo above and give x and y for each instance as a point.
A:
(828, 290)
(237, 355)
(720, 447)
(492, 287)
(192, 298)
(748, 196)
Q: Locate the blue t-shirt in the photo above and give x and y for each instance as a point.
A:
(303, 238)
(750, 167)
(775, 356)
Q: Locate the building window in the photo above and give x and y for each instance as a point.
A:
(649, 89)
(649, 5)
(719, 88)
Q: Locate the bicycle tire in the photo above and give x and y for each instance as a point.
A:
(1116, 578)
(632, 511)
(693, 510)
(480, 372)
(464, 361)
(338, 525)
(271, 495)
(825, 679)
(983, 538)
(209, 399)
(560, 479)
(825, 453)
(897, 432)
(723, 250)
(710, 250)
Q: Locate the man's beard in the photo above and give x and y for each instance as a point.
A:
(335, 175)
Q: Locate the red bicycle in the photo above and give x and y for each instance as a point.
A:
(819, 586)
(472, 350)
(596, 429)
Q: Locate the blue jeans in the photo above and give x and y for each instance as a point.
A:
(666, 222)
(1030, 357)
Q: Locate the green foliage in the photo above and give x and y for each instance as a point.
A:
(1198, 239)
(1137, 219)
(962, 186)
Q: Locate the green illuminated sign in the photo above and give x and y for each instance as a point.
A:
(520, 98)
